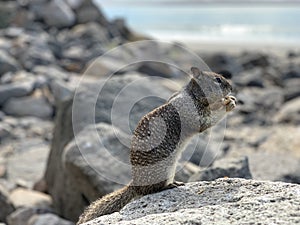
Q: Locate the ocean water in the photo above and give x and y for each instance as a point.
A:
(185, 21)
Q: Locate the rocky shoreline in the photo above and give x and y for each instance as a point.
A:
(48, 176)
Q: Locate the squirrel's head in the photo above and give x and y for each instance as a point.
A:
(208, 87)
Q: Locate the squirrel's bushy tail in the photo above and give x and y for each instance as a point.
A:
(108, 204)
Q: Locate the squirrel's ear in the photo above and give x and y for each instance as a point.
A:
(196, 72)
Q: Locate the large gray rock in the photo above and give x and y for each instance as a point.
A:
(5, 44)
(7, 13)
(291, 89)
(51, 72)
(74, 4)
(289, 112)
(22, 215)
(250, 78)
(88, 12)
(60, 91)
(224, 201)
(34, 48)
(265, 145)
(292, 73)
(91, 31)
(28, 106)
(8, 186)
(105, 66)
(293, 176)
(226, 167)
(222, 62)
(17, 89)
(253, 59)
(256, 103)
(58, 14)
(25, 128)
(120, 30)
(22, 197)
(75, 42)
(48, 219)
(39, 54)
(33, 154)
(5, 204)
(36, 7)
(199, 152)
(7, 63)
(77, 54)
(24, 18)
(3, 170)
(6, 131)
(156, 69)
(118, 103)
(13, 32)
(2, 116)
(94, 165)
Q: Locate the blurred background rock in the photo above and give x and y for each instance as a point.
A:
(46, 45)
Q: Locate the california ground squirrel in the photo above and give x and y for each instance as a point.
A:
(160, 137)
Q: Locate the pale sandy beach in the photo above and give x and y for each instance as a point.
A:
(238, 47)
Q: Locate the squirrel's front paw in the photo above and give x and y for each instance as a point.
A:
(230, 103)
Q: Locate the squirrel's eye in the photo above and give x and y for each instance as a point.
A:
(219, 80)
